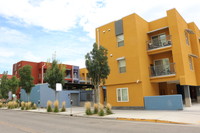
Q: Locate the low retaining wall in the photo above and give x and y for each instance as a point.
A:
(165, 102)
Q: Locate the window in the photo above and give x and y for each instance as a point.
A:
(187, 38)
(159, 40)
(191, 63)
(162, 66)
(122, 65)
(122, 95)
(120, 40)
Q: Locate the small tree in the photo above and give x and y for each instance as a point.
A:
(55, 74)
(97, 66)
(13, 84)
(4, 85)
(26, 80)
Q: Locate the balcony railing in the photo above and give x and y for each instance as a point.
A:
(162, 70)
(158, 43)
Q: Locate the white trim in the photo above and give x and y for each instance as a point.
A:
(120, 58)
(121, 94)
(158, 29)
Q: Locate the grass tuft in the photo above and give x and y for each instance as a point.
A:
(88, 108)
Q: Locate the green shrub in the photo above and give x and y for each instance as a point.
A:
(96, 109)
(1, 104)
(28, 105)
(56, 106)
(63, 106)
(101, 110)
(22, 105)
(34, 106)
(88, 108)
(109, 109)
(49, 106)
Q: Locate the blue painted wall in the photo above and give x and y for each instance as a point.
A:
(166, 102)
(43, 93)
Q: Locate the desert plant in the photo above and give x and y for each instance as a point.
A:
(15, 104)
(34, 106)
(63, 106)
(96, 109)
(11, 105)
(88, 108)
(108, 109)
(49, 106)
(101, 110)
(56, 106)
(22, 105)
(28, 105)
(1, 104)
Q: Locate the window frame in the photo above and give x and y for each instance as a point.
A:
(187, 38)
(120, 41)
(121, 100)
(191, 64)
(158, 35)
(118, 62)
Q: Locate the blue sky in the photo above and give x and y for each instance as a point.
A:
(33, 30)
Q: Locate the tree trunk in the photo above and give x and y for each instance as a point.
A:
(97, 94)
(28, 95)
(56, 94)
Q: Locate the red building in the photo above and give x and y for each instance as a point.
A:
(39, 69)
(8, 76)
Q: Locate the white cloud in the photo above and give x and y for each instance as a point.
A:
(12, 36)
(63, 15)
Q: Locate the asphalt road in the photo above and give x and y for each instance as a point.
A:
(27, 122)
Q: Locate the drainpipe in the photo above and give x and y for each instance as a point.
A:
(72, 74)
(43, 72)
(98, 41)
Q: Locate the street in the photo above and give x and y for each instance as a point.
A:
(28, 122)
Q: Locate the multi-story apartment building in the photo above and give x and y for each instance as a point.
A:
(160, 57)
(84, 76)
(39, 70)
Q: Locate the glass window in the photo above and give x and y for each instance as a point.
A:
(122, 94)
(187, 38)
(159, 40)
(120, 40)
(191, 63)
(122, 65)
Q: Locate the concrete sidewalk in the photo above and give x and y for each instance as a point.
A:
(190, 115)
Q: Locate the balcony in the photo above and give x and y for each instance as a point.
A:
(158, 42)
(162, 70)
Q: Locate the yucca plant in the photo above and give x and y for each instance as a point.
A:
(1, 104)
(101, 110)
(49, 106)
(88, 108)
(56, 106)
(108, 109)
(34, 106)
(96, 109)
(63, 109)
(28, 105)
(22, 105)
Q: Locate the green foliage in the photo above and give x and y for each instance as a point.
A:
(97, 66)
(13, 84)
(109, 109)
(55, 74)
(63, 109)
(56, 106)
(4, 88)
(49, 106)
(26, 80)
(88, 108)
(96, 109)
(101, 110)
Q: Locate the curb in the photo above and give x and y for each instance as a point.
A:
(150, 120)
(108, 118)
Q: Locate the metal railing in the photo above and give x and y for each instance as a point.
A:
(162, 70)
(154, 44)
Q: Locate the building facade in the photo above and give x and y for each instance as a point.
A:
(39, 70)
(160, 57)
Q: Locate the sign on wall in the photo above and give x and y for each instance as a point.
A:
(58, 87)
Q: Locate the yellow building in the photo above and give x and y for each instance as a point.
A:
(84, 76)
(151, 58)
